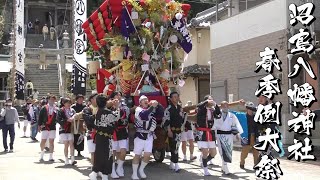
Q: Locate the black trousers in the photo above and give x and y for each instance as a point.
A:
(29, 92)
(174, 144)
(103, 155)
(5, 130)
(78, 147)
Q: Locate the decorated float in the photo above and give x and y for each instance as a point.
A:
(142, 44)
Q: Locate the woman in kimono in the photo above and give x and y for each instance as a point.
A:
(226, 127)
(105, 126)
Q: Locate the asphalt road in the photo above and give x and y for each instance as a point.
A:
(24, 164)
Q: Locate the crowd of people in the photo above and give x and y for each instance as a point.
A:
(104, 120)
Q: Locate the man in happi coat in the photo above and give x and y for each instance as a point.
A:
(207, 111)
(78, 137)
(145, 124)
(47, 126)
(105, 125)
(89, 115)
(120, 137)
(226, 127)
(173, 120)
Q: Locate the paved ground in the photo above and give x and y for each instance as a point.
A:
(24, 164)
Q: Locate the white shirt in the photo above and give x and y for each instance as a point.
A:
(209, 114)
(227, 124)
(36, 95)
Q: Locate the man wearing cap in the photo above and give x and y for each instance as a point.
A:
(145, 124)
(207, 111)
(78, 137)
(252, 135)
(173, 120)
(10, 115)
(226, 127)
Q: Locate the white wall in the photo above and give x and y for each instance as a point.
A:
(200, 53)
(264, 19)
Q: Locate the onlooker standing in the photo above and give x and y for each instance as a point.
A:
(35, 94)
(29, 87)
(11, 116)
(27, 121)
(37, 26)
(34, 115)
(45, 31)
(52, 32)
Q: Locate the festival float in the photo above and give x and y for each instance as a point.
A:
(141, 41)
(143, 45)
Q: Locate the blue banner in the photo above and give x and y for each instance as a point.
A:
(243, 121)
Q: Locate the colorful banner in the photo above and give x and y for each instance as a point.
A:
(19, 49)
(79, 72)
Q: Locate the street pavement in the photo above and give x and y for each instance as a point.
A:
(23, 164)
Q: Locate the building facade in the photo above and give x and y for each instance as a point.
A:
(236, 43)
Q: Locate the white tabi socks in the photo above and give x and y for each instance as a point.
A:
(135, 172)
(225, 169)
(184, 157)
(104, 177)
(176, 167)
(206, 171)
(42, 154)
(66, 161)
(50, 157)
(120, 170)
(72, 160)
(93, 175)
(171, 166)
(141, 170)
(114, 175)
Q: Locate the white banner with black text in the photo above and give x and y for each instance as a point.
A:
(79, 70)
(19, 49)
